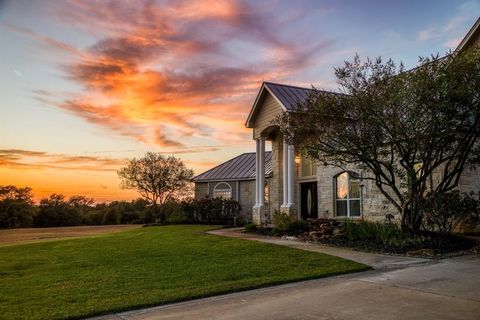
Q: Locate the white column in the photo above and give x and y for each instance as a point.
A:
(291, 175)
(257, 169)
(285, 174)
(261, 174)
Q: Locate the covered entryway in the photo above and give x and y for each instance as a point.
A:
(308, 200)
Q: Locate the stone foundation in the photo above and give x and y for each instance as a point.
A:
(291, 210)
(260, 214)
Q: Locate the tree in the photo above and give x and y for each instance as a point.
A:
(80, 202)
(403, 127)
(16, 207)
(54, 211)
(157, 178)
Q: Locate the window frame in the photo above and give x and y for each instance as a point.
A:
(307, 162)
(354, 176)
(223, 190)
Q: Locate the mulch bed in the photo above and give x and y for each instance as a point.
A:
(434, 246)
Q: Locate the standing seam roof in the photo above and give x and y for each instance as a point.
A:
(289, 96)
(241, 167)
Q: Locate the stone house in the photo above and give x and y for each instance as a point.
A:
(296, 184)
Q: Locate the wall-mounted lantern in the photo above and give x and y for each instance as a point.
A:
(297, 159)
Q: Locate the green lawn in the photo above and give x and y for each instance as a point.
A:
(143, 267)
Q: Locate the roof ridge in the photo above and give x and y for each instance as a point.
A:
(303, 88)
(289, 85)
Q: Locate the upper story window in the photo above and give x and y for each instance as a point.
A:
(222, 190)
(308, 167)
(347, 194)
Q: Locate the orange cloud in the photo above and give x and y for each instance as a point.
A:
(165, 73)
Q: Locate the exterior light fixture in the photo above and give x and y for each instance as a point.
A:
(297, 159)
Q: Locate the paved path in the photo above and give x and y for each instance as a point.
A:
(399, 288)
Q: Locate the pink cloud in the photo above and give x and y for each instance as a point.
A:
(163, 73)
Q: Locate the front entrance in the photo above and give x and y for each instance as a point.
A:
(308, 200)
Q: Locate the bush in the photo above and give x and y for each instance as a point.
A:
(56, 212)
(16, 207)
(372, 231)
(287, 225)
(16, 213)
(211, 210)
(449, 211)
(250, 228)
(293, 228)
(388, 237)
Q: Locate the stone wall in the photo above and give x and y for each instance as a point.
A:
(374, 204)
(201, 190)
(470, 181)
(247, 198)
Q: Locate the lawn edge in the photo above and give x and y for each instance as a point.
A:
(224, 292)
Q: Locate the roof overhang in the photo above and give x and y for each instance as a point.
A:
(229, 180)
(475, 29)
(258, 102)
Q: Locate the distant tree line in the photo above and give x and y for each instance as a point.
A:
(163, 182)
(17, 210)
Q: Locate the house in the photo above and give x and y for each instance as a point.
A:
(235, 179)
(296, 184)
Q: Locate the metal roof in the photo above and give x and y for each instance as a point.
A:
(288, 95)
(466, 41)
(241, 167)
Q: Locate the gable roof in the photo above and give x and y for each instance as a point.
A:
(287, 97)
(471, 35)
(241, 167)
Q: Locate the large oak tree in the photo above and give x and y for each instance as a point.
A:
(157, 178)
(415, 132)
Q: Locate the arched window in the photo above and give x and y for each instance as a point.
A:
(222, 190)
(347, 194)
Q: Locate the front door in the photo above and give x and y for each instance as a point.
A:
(308, 200)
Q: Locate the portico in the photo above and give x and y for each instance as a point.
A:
(283, 187)
(286, 186)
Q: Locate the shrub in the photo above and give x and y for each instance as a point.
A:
(56, 212)
(374, 231)
(250, 228)
(16, 207)
(240, 221)
(112, 216)
(211, 210)
(296, 227)
(16, 213)
(293, 228)
(281, 219)
(287, 225)
(448, 211)
(382, 236)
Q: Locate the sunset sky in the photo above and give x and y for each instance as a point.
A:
(87, 84)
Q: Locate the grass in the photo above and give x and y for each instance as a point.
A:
(143, 267)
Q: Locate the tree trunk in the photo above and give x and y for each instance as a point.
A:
(411, 215)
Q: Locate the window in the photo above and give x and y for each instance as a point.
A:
(222, 190)
(308, 166)
(347, 194)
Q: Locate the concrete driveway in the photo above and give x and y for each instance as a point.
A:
(399, 288)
